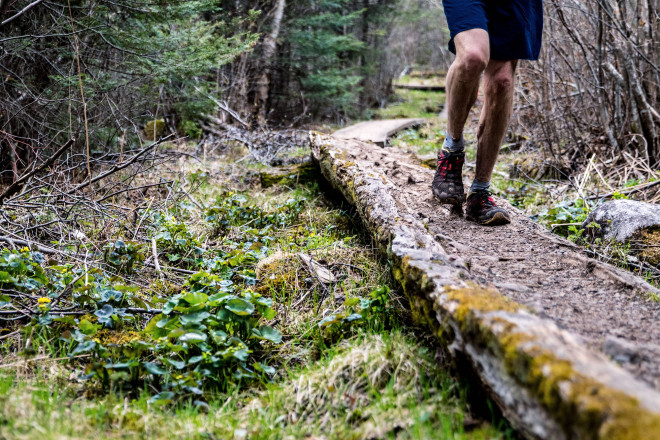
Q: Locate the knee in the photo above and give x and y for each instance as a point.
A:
(501, 83)
(473, 62)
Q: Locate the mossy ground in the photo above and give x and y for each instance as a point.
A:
(370, 386)
(412, 104)
(367, 381)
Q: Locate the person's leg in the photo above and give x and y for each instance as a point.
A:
(495, 115)
(472, 55)
(472, 52)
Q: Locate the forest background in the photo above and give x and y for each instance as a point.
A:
(98, 71)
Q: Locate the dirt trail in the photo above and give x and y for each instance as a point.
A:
(606, 306)
(376, 131)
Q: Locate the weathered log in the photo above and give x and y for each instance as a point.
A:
(288, 175)
(544, 379)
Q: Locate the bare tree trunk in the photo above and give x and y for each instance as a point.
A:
(269, 47)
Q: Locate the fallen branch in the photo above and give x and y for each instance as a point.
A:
(41, 248)
(132, 189)
(630, 190)
(14, 186)
(119, 167)
(21, 12)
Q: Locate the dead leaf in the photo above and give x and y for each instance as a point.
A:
(321, 272)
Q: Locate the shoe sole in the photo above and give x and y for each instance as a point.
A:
(448, 200)
(498, 219)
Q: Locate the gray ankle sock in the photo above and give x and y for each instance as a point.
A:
(454, 146)
(476, 185)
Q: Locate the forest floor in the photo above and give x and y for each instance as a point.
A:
(338, 356)
(350, 363)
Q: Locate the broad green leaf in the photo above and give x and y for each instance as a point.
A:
(5, 277)
(179, 365)
(105, 312)
(241, 355)
(70, 320)
(154, 368)
(268, 314)
(240, 307)
(194, 298)
(268, 333)
(260, 366)
(111, 295)
(194, 318)
(84, 347)
(328, 320)
(87, 327)
(195, 359)
(123, 365)
(351, 302)
(163, 398)
(353, 317)
(193, 337)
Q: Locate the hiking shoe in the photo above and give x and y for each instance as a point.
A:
(447, 184)
(481, 208)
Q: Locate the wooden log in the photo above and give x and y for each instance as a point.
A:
(544, 379)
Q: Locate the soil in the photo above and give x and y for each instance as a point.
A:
(528, 264)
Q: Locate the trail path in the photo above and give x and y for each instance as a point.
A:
(376, 131)
(597, 305)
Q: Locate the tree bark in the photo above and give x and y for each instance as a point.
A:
(269, 46)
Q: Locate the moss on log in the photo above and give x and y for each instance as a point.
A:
(288, 175)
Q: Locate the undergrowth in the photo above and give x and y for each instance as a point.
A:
(267, 308)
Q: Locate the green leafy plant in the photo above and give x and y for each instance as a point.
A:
(233, 210)
(22, 270)
(123, 256)
(565, 214)
(173, 237)
(373, 312)
(205, 337)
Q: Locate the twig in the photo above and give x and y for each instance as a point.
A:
(21, 12)
(18, 364)
(154, 251)
(195, 202)
(132, 189)
(9, 335)
(119, 167)
(173, 269)
(82, 92)
(630, 190)
(9, 191)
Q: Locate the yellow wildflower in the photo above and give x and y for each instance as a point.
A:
(43, 300)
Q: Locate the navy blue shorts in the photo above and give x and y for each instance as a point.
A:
(515, 27)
